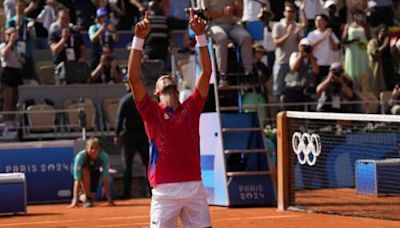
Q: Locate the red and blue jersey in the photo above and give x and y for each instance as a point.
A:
(174, 139)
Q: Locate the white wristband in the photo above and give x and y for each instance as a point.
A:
(137, 43)
(201, 40)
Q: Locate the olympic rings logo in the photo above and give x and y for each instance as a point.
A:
(305, 145)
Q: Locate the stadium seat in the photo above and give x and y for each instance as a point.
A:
(152, 70)
(43, 121)
(73, 116)
(384, 98)
(46, 75)
(370, 102)
(110, 109)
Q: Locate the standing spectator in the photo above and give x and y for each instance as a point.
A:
(251, 9)
(103, 32)
(355, 37)
(334, 90)
(156, 45)
(9, 8)
(49, 13)
(381, 11)
(107, 71)
(325, 46)
(85, 13)
(12, 61)
(222, 27)
(334, 22)
(90, 166)
(286, 35)
(131, 134)
(173, 130)
(381, 62)
(26, 35)
(124, 12)
(268, 42)
(312, 8)
(65, 41)
(70, 5)
(261, 71)
(32, 11)
(300, 81)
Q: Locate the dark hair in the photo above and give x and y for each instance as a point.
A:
(323, 16)
(380, 28)
(290, 4)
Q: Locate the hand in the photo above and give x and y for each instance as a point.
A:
(103, 60)
(117, 140)
(328, 32)
(111, 28)
(13, 37)
(143, 27)
(31, 24)
(65, 34)
(289, 28)
(74, 203)
(386, 41)
(228, 11)
(197, 24)
(396, 91)
(303, 5)
(141, 9)
(393, 41)
(331, 77)
(102, 27)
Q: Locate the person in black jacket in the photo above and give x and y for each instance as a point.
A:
(130, 133)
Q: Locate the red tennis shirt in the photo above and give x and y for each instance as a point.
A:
(174, 139)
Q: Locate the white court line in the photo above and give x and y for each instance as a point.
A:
(126, 224)
(42, 222)
(258, 217)
(128, 217)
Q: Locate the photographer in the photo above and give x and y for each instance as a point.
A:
(335, 89)
(300, 79)
(107, 71)
(103, 32)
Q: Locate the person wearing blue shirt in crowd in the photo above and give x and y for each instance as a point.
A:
(103, 32)
(26, 35)
(89, 166)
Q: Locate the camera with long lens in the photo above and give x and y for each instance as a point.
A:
(307, 49)
(197, 11)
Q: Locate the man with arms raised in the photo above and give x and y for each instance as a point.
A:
(173, 131)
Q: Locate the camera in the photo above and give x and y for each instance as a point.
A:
(337, 73)
(197, 11)
(307, 49)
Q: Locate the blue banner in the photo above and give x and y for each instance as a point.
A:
(47, 171)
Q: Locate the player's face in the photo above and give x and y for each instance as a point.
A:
(93, 150)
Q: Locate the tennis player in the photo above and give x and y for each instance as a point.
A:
(173, 130)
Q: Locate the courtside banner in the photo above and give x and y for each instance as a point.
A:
(46, 166)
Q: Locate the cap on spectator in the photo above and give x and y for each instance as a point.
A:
(100, 12)
(372, 4)
(259, 48)
(329, 3)
(305, 41)
(336, 66)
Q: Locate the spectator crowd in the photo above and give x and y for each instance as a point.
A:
(324, 51)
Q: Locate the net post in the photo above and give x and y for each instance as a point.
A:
(283, 161)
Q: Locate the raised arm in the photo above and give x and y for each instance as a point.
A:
(142, 29)
(198, 26)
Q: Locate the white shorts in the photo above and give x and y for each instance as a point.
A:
(191, 206)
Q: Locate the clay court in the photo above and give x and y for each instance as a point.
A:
(135, 213)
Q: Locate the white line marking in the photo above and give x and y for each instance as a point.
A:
(128, 217)
(42, 222)
(258, 217)
(126, 224)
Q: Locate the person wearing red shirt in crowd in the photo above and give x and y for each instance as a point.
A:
(173, 131)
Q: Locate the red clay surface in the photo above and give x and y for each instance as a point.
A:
(346, 201)
(135, 213)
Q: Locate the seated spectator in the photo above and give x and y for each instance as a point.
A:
(223, 27)
(26, 36)
(300, 81)
(66, 42)
(11, 61)
(107, 71)
(89, 167)
(261, 72)
(335, 89)
(103, 32)
(156, 45)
